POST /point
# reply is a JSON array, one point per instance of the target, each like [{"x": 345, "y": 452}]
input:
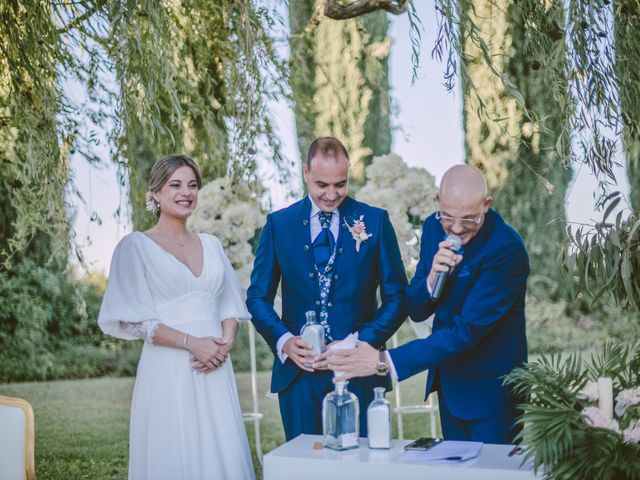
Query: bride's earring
[{"x": 152, "y": 204}]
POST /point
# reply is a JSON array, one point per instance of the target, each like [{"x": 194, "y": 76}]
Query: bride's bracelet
[{"x": 184, "y": 340}]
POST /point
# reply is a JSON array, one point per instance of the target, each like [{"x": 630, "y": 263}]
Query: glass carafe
[
  {"x": 313, "y": 333},
  {"x": 379, "y": 420},
  {"x": 340, "y": 418}
]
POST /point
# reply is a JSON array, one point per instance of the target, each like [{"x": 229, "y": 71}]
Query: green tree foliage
[
  {"x": 34, "y": 172},
  {"x": 190, "y": 80},
  {"x": 627, "y": 33},
  {"x": 191, "y": 76},
  {"x": 604, "y": 260},
  {"x": 340, "y": 81},
  {"x": 519, "y": 142}
]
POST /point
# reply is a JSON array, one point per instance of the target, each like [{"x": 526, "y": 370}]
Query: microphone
[{"x": 442, "y": 276}]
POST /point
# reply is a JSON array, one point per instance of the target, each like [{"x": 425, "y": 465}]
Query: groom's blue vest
[{"x": 285, "y": 255}]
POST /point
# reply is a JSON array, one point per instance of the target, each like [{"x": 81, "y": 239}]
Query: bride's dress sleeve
[
  {"x": 231, "y": 299},
  {"x": 128, "y": 310}
]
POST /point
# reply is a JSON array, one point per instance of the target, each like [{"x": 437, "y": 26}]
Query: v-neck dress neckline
[{"x": 197, "y": 277}]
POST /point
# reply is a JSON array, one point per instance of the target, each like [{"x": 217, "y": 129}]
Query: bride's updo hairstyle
[{"x": 161, "y": 173}]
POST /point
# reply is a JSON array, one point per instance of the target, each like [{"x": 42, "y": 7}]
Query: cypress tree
[
  {"x": 340, "y": 81},
  {"x": 519, "y": 141}
]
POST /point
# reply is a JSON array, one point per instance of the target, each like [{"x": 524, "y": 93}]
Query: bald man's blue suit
[
  {"x": 285, "y": 257},
  {"x": 478, "y": 331}
]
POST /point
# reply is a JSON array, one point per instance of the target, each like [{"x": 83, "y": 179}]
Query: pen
[{"x": 515, "y": 451}]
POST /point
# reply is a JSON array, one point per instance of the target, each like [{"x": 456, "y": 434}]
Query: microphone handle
[{"x": 437, "y": 288}]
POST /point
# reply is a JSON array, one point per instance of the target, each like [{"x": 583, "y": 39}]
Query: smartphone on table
[{"x": 423, "y": 443}]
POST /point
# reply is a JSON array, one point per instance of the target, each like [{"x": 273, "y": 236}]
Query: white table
[{"x": 297, "y": 459}]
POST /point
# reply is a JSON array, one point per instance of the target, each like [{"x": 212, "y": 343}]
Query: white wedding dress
[{"x": 184, "y": 425}]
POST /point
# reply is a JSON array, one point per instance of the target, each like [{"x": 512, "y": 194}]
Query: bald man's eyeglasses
[{"x": 465, "y": 221}]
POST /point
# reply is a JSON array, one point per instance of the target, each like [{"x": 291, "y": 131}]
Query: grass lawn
[{"x": 82, "y": 426}]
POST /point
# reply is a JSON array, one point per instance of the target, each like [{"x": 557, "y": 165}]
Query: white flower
[
  {"x": 594, "y": 417},
  {"x": 589, "y": 392},
  {"x": 407, "y": 193},
  {"x": 627, "y": 398},
  {"x": 631, "y": 434},
  {"x": 233, "y": 213}
]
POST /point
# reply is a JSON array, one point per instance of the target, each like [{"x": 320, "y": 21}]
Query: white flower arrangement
[
  {"x": 627, "y": 407},
  {"x": 233, "y": 213},
  {"x": 408, "y": 194}
]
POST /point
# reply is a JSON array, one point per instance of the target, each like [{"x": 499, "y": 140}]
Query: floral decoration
[
  {"x": 570, "y": 426},
  {"x": 358, "y": 231}
]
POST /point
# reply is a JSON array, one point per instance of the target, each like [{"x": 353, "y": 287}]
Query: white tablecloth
[{"x": 297, "y": 459}]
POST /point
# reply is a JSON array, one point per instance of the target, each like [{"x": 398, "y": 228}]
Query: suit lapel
[
  {"x": 347, "y": 212},
  {"x": 303, "y": 232}
]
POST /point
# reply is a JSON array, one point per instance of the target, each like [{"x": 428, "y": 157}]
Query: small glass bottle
[
  {"x": 379, "y": 420},
  {"x": 340, "y": 419},
  {"x": 313, "y": 333}
]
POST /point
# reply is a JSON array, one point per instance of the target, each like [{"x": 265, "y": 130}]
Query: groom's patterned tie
[{"x": 324, "y": 242}]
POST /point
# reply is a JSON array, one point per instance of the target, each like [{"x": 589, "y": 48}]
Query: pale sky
[{"x": 427, "y": 133}]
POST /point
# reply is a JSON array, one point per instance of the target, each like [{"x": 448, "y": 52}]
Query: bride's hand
[
  {"x": 208, "y": 353},
  {"x": 228, "y": 344}
]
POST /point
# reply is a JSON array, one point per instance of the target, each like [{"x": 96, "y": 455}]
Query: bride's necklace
[{"x": 181, "y": 243}]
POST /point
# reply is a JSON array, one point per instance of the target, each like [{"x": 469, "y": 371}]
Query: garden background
[{"x": 92, "y": 92}]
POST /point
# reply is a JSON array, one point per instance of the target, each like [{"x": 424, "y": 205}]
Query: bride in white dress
[{"x": 178, "y": 292}]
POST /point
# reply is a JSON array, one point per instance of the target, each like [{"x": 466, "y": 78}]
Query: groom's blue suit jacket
[
  {"x": 285, "y": 254},
  {"x": 479, "y": 325}
]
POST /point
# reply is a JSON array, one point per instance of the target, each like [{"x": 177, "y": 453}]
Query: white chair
[
  {"x": 16, "y": 439},
  {"x": 422, "y": 330},
  {"x": 255, "y": 415}
]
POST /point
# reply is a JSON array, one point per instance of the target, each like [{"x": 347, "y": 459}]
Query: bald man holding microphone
[{"x": 472, "y": 274}]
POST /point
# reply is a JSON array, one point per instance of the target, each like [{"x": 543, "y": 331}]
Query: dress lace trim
[{"x": 144, "y": 330}]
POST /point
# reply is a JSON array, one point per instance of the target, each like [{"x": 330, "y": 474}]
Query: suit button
[
  {"x": 311, "y": 274},
  {"x": 336, "y": 277},
  {"x": 318, "y": 302},
  {"x": 329, "y": 304},
  {"x": 341, "y": 250},
  {"x": 305, "y": 222},
  {"x": 306, "y": 248}
]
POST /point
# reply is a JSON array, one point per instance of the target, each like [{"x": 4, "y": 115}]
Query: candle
[{"x": 605, "y": 396}]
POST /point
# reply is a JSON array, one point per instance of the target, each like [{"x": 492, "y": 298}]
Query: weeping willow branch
[
  {"x": 34, "y": 170},
  {"x": 195, "y": 77},
  {"x": 582, "y": 52}
]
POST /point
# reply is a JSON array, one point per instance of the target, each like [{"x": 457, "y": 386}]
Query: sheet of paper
[
  {"x": 349, "y": 342},
  {"x": 448, "y": 451}
]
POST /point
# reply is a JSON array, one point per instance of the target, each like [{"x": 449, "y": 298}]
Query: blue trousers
[{"x": 500, "y": 429}]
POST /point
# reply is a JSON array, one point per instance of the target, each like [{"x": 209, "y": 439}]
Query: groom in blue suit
[
  {"x": 329, "y": 253},
  {"x": 478, "y": 331}
]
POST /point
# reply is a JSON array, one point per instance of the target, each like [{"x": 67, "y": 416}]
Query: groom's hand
[
  {"x": 353, "y": 362},
  {"x": 299, "y": 351},
  {"x": 321, "y": 362}
]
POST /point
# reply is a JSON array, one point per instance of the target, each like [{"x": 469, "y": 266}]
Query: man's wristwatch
[{"x": 382, "y": 367}]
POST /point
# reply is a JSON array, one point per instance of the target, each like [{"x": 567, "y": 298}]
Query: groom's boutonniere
[{"x": 358, "y": 231}]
